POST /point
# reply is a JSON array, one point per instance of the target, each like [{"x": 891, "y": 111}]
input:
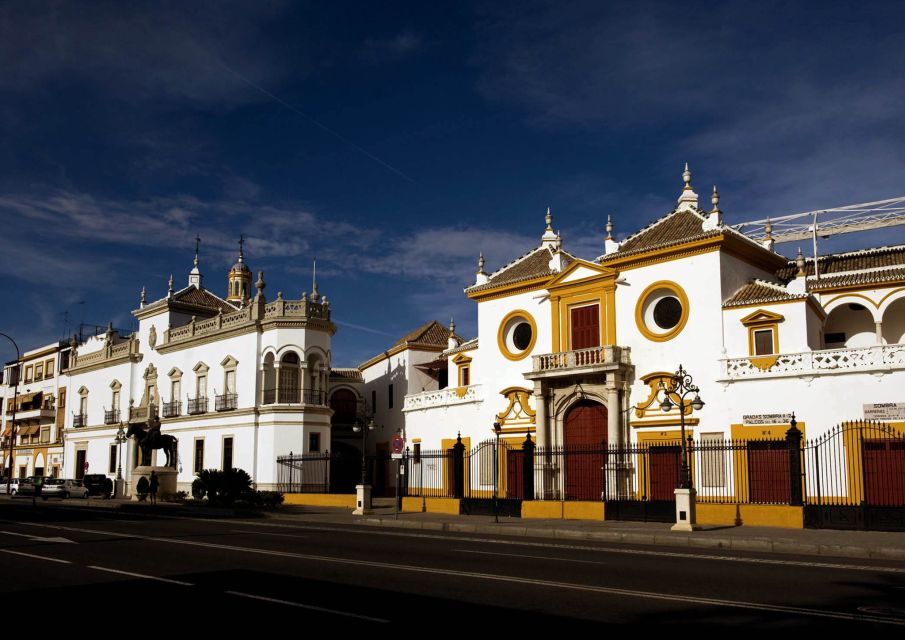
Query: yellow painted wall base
[
  {"x": 544, "y": 509},
  {"x": 320, "y": 499},
  {"x": 567, "y": 510},
  {"x": 751, "y": 515},
  {"x": 449, "y": 506}
]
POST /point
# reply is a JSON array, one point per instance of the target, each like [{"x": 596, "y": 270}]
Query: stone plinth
[{"x": 166, "y": 476}]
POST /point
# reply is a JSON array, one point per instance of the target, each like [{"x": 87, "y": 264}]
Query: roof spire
[
  {"x": 452, "y": 340},
  {"x": 609, "y": 227},
  {"x": 195, "y": 273},
  {"x": 550, "y": 236},
  {"x": 768, "y": 242},
  {"x": 315, "y": 296},
  {"x": 688, "y": 201},
  {"x": 799, "y": 260},
  {"x": 481, "y": 264},
  {"x": 242, "y": 247},
  {"x": 170, "y": 289},
  {"x": 142, "y": 300}
]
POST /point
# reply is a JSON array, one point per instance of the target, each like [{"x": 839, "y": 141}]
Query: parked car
[
  {"x": 29, "y": 486},
  {"x": 13, "y": 486},
  {"x": 62, "y": 488},
  {"x": 98, "y": 485}
]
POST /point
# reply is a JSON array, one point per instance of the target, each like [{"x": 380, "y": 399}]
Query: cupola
[{"x": 239, "y": 279}]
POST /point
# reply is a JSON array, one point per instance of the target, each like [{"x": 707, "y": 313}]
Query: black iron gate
[{"x": 855, "y": 478}]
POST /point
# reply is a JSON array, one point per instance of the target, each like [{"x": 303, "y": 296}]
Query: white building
[
  {"x": 40, "y": 409},
  {"x": 237, "y": 380},
  {"x": 573, "y": 351}
]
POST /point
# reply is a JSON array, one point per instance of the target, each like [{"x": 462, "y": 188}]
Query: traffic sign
[{"x": 397, "y": 443}]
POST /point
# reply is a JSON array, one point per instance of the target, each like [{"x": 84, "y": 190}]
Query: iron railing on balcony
[
  {"x": 226, "y": 402},
  {"x": 294, "y": 396},
  {"x": 198, "y": 405},
  {"x": 111, "y": 417},
  {"x": 172, "y": 409},
  {"x": 79, "y": 420}
]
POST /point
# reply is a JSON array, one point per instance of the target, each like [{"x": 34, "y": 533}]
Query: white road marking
[
  {"x": 38, "y": 538},
  {"x": 31, "y": 555},
  {"x": 306, "y": 606},
  {"x": 599, "y": 549},
  {"x": 629, "y": 593},
  {"x": 268, "y": 533},
  {"x": 141, "y": 575}
]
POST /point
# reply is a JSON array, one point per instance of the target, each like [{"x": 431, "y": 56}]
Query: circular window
[
  {"x": 662, "y": 311},
  {"x": 517, "y": 335}
]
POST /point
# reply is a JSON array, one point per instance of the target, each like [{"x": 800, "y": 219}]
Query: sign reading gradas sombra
[
  {"x": 757, "y": 419},
  {"x": 885, "y": 411}
]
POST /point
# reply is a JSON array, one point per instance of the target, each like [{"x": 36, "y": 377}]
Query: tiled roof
[
  {"x": 465, "y": 346},
  {"x": 203, "y": 298},
  {"x": 674, "y": 228},
  {"x": 761, "y": 292},
  {"x": 534, "y": 264},
  {"x": 878, "y": 276},
  {"x": 350, "y": 375},
  {"x": 881, "y": 264},
  {"x": 432, "y": 334}
]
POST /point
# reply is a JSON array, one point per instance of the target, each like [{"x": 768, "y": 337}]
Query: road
[{"x": 210, "y": 573}]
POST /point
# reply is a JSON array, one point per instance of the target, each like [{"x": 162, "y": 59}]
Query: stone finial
[
  {"x": 799, "y": 260},
  {"x": 74, "y": 342},
  {"x": 279, "y": 295},
  {"x": 304, "y": 296},
  {"x": 142, "y": 299},
  {"x": 715, "y": 199},
  {"x": 714, "y": 218},
  {"x": 609, "y": 227},
  {"x": 451, "y": 341},
  {"x": 452, "y": 325},
  {"x": 768, "y": 242},
  {"x": 315, "y": 296},
  {"x": 549, "y": 237},
  {"x": 689, "y": 199},
  {"x": 260, "y": 284},
  {"x": 325, "y": 302},
  {"x": 480, "y": 264},
  {"x": 170, "y": 288}
]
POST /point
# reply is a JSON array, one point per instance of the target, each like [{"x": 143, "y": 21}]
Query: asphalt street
[{"x": 214, "y": 572}]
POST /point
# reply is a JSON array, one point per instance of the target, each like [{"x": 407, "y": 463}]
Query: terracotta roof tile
[
  {"x": 350, "y": 375},
  {"x": 203, "y": 298},
  {"x": 534, "y": 264},
  {"x": 761, "y": 292},
  {"x": 673, "y": 228},
  {"x": 860, "y": 267},
  {"x": 431, "y": 334}
]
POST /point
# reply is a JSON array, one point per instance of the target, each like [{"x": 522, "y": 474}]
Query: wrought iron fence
[{"x": 304, "y": 473}]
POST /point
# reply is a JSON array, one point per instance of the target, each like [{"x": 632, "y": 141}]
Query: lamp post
[
  {"x": 12, "y": 432},
  {"x": 681, "y": 385},
  {"x": 363, "y": 490},
  {"x": 119, "y": 439},
  {"x": 496, "y": 472}
]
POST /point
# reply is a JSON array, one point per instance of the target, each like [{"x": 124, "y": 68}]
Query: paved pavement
[{"x": 817, "y": 542}]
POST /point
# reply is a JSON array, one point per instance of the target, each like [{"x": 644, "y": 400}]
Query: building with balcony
[
  {"x": 237, "y": 380},
  {"x": 39, "y": 404},
  {"x": 573, "y": 351}
]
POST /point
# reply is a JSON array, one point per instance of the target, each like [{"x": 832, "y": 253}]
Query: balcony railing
[
  {"x": 226, "y": 402},
  {"x": 294, "y": 396},
  {"x": 172, "y": 409},
  {"x": 79, "y": 420},
  {"x": 607, "y": 357},
  {"x": 197, "y": 405},
  {"x": 828, "y": 361},
  {"x": 111, "y": 417},
  {"x": 443, "y": 397}
]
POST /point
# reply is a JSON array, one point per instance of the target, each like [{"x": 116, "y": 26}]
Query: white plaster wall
[
  {"x": 793, "y": 331},
  {"x": 377, "y": 378},
  {"x": 894, "y": 322},
  {"x": 439, "y": 423},
  {"x": 735, "y": 273},
  {"x": 858, "y": 326}
]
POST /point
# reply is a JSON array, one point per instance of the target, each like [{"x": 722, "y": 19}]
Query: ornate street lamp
[
  {"x": 363, "y": 490},
  {"x": 681, "y": 385},
  {"x": 120, "y": 439}
]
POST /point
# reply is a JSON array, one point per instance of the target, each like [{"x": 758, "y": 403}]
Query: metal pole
[{"x": 496, "y": 472}]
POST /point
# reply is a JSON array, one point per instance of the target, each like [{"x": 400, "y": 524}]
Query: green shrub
[
  {"x": 199, "y": 489},
  {"x": 222, "y": 487},
  {"x": 143, "y": 487}
]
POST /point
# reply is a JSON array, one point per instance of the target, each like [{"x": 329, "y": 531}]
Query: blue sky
[{"x": 394, "y": 141}]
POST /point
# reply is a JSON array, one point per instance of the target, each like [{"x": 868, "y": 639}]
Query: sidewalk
[{"x": 874, "y": 545}]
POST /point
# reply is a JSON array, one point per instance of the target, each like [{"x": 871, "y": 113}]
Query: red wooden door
[
  {"x": 585, "y": 450},
  {"x": 665, "y": 463},
  {"x": 884, "y": 472},
  {"x": 586, "y": 327},
  {"x": 768, "y": 472}
]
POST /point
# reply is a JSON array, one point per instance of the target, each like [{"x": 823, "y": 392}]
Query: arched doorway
[{"x": 584, "y": 439}]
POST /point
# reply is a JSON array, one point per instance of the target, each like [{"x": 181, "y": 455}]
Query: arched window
[{"x": 290, "y": 389}]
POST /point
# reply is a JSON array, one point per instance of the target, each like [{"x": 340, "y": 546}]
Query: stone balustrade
[
  {"x": 443, "y": 397},
  {"x": 828, "y": 361},
  {"x": 595, "y": 357}
]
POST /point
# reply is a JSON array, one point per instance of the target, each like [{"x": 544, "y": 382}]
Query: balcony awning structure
[{"x": 433, "y": 366}]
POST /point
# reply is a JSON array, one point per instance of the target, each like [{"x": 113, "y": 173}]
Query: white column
[
  {"x": 879, "y": 332},
  {"x": 542, "y": 429},
  {"x": 614, "y": 415}
]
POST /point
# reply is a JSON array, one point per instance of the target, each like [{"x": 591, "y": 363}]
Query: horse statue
[{"x": 153, "y": 439}]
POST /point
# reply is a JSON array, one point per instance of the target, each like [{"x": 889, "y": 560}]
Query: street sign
[
  {"x": 397, "y": 443},
  {"x": 396, "y": 456}
]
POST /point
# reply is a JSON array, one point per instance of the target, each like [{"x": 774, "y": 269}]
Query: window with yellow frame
[
  {"x": 463, "y": 363},
  {"x": 763, "y": 333}
]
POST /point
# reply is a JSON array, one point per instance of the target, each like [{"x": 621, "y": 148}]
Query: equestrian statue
[{"x": 153, "y": 439}]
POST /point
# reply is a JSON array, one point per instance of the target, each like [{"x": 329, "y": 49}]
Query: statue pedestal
[{"x": 166, "y": 476}]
